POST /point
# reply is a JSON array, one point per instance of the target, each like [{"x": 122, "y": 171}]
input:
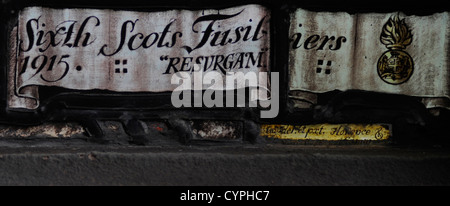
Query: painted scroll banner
[
  {"x": 130, "y": 51},
  {"x": 381, "y": 52}
]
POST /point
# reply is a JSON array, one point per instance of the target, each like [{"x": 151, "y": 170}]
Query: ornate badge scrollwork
[{"x": 395, "y": 66}]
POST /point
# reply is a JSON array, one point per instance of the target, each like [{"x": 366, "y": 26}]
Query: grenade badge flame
[{"x": 395, "y": 66}]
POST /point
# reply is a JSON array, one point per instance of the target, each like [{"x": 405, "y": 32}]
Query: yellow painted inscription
[{"x": 328, "y": 131}]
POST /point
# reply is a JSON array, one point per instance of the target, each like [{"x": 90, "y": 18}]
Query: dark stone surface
[{"x": 79, "y": 163}]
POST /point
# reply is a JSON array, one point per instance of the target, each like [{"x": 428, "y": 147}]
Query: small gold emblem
[{"x": 395, "y": 66}]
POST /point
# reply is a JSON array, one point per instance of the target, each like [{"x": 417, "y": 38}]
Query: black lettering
[
  {"x": 224, "y": 38},
  {"x": 247, "y": 32},
  {"x": 87, "y": 34},
  {"x": 123, "y": 34},
  {"x": 174, "y": 38},
  {"x": 258, "y": 28},
  {"x": 217, "y": 63},
  {"x": 145, "y": 42},
  {"x": 38, "y": 36},
  {"x": 238, "y": 35},
  {"x": 68, "y": 33},
  {"x": 311, "y": 41},
  {"x": 340, "y": 40},
  {"x": 131, "y": 41},
  {"x": 208, "y": 31},
  {"x": 173, "y": 61},
  {"x": 207, "y": 66},
  {"x": 253, "y": 60},
  {"x": 325, "y": 41},
  {"x": 52, "y": 42},
  {"x": 214, "y": 39},
  {"x": 30, "y": 34},
  {"x": 226, "y": 62},
  {"x": 186, "y": 62},
  {"x": 198, "y": 59},
  {"x": 316, "y": 40},
  {"x": 296, "y": 40},
  {"x": 240, "y": 60},
  {"x": 40, "y": 40},
  {"x": 163, "y": 36}
]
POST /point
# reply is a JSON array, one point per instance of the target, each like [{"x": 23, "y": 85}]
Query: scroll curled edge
[{"x": 19, "y": 97}]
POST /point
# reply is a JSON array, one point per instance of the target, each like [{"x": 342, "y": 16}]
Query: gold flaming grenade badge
[{"x": 395, "y": 66}]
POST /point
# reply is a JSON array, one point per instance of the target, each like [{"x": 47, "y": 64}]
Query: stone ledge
[{"x": 244, "y": 165}]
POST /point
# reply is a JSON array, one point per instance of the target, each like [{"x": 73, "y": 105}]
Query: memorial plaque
[{"x": 131, "y": 51}]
